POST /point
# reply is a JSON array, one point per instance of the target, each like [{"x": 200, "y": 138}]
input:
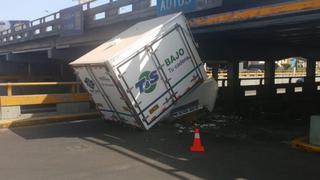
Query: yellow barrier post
[{"x": 9, "y": 89}]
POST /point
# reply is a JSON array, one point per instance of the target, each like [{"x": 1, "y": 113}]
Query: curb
[
  {"x": 301, "y": 144},
  {"x": 5, "y": 124}
]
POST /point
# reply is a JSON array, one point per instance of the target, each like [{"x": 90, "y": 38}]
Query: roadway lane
[{"x": 98, "y": 150}]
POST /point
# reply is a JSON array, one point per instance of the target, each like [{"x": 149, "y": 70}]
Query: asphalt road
[{"x": 98, "y": 150}]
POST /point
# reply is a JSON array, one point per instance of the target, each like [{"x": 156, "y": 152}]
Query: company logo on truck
[
  {"x": 176, "y": 60},
  {"x": 89, "y": 83},
  {"x": 147, "y": 81},
  {"x": 173, "y": 58}
]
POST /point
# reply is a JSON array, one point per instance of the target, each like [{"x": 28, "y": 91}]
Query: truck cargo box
[{"x": 139, "y": 76}]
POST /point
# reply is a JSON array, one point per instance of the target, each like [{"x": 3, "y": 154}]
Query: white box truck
[{"x": 141, "y": 75}]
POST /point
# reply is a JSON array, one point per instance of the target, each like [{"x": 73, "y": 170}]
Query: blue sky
[{"x": 31, "y": 9}]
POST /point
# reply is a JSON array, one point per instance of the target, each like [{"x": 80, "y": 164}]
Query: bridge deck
[{"x": 100, "y": 23}]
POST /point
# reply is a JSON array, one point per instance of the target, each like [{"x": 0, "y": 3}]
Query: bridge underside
[
  {"x": 265, "y": 39},
  {"x": 272, "y": 38}
]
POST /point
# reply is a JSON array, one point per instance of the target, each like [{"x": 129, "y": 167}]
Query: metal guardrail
[{"x": 42, "y": 99}]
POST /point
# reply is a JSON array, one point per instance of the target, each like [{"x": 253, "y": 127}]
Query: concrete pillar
[
  {"x": 269, "y": 78},
  {"x": 80, "y": 107},
  {"x": 215, "y": 70},
  {"x": 310, "y": 86},
  {"x": 10, "y": 112},
  {"x": 29, "y": 69},
  {"x": 315, "y": 130},
  {"x": 61, "y": 70},
  {"x": 233, "y": 79}
]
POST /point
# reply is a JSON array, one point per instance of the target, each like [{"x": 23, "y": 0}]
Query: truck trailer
[{"x": 146, "y": 73}]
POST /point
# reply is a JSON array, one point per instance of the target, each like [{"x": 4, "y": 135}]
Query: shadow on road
[{"x": 167, "y": 151}]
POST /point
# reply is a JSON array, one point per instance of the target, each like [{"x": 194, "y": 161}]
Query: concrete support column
[
  {"x": 309, "y": 87},
  {"x": 269, "y": 78},
  {"x": 215, "y": 70},
  {"x": 233, "y": 79},
  {"x": 315, "y": 130},
  {"x": 29, "y": 69},
  {"x": 61, "y": 70}
]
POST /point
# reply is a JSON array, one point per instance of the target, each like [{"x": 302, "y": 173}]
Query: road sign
[{"x": 170, "y": 6}]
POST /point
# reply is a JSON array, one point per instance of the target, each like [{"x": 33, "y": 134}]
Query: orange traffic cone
[{"x": 197, "y": 147}]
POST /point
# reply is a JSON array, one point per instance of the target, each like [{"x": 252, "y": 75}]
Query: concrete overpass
[
  {"x": 284, "y": 26},
  {"x": 227, "y": 32}
]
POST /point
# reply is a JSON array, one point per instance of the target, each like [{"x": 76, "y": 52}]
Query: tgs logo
[
  {"x": 89, "y": 83},
  {"x": 147, "y": 82}
]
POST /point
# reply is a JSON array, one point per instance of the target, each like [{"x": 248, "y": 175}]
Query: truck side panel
[
  {"x": 90, "y": 84},
  {"x": 109, "y": 88},
  {"x": 177, "y": 62}
]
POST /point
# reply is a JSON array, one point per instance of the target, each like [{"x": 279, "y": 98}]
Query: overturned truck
[{"x": 147, "y": 73}]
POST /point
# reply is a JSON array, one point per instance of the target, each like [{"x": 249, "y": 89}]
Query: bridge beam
[
  {"x": 27, "y": 57},
  {"x": 3, "y": 57},
  {"x": 68, "y": 54},
  {"x": 14, "y": 57}
]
